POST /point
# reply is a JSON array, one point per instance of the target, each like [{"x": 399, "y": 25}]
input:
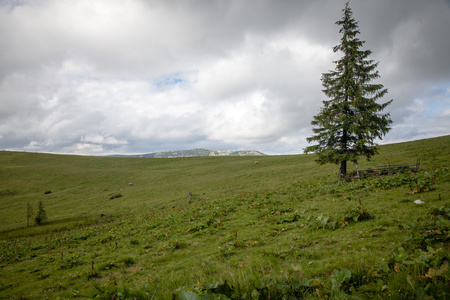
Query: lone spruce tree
[
  {"x": 350, "y": 121},
  {"x": 41, "y": 214}
]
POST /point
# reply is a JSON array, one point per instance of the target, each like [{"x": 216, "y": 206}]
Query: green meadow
[{"x": 225, "y": 227}]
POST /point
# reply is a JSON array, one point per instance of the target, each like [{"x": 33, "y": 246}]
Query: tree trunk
[{"x": 343, "y": 170}]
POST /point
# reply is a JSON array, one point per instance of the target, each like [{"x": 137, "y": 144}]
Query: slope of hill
[
  {"x": 195, "y": 153},
  {"x": 225, "y": 227},
  {"x": 81, "y": 186}
]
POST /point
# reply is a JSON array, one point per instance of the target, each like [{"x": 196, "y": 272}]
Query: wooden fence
[{"x": 387, "y": 169}]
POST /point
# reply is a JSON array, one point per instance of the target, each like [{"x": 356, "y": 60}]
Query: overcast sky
[{"x": 107, "y": 76}]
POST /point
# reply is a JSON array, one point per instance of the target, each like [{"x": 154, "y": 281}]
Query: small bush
[
  {"x": 134, "y": 242},
  {"x": 41, "y": 215},
  {"x": 442, "y": 211},
  {"x": 114, "y": 196},
  {"x": 357, "y": 214},
  {"x": 126, "y": 260},
  {"x": 106, "y": 266},
  {"x": 177, "y": 245},
  {"x": 8, "y": 193},
  {"x": 327, "y": 222}
]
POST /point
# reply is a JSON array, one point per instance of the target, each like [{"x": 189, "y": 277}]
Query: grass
[
  {"x": 281, "y": 228},
  {"x": 81, "y": 187}
]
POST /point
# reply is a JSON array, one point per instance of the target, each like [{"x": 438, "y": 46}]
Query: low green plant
[
  {"x": 125, "y": 260},
  {"x": 70, "y": 262},
  {"x": 339, "y": 283},
  {"x": 443, "y": 211},
  {"x": 178, "y": 245},
  {"x": 351, "y": 215},
  {"x": 327, "y": 222},
  {"x": 356, "y": 214}
]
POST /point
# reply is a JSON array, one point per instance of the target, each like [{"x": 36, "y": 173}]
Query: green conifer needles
[
  {"x": 351, "y": 120},
  {"x": 41, "y": 215}
]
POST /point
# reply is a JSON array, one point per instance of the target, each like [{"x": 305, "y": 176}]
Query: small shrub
[
  {"x": 177, "y": 245},
  {"x": 423, "y": 182},
  {"x": 41, "y": 215},
  {"x": 134, "y": 242},
  {"x": 107, "y": 266},
  {"x": 8, "y": 193},
  {"x": 357, "y": 214},
  {"x": 327, "y": 222},
  {"x": 126, "y": 260},
  {"x": 47, "y": 192},
  {"x": 196, "y": 228},
  {"x": 72, "y": 261},
  {"x": 441, "y": 211},
  {"x": 114, "y": 196},
  {"x": 336, "y": 284},
  {"x": 428, "y": 232}
]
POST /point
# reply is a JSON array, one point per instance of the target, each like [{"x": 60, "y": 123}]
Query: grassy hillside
[
  {"x": 282, "y": 227},
  {"x": 81, "y": 187}
]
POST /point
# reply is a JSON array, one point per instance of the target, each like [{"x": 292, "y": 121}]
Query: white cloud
[
  {"x": 98, "y": 139},
  {"x": 142, "y": 76},
  {"x": 85, "y": 149},
  {"x": 445, "y": 113},
  {"x": 243, "y": 120},
  {"x": 35, "y": 145}
]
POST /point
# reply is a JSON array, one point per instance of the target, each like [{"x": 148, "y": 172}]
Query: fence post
[{"x": 357, "y": 174}]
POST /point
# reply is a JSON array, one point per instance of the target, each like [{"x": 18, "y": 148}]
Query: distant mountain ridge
[{"x": 194, "y": 153}]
